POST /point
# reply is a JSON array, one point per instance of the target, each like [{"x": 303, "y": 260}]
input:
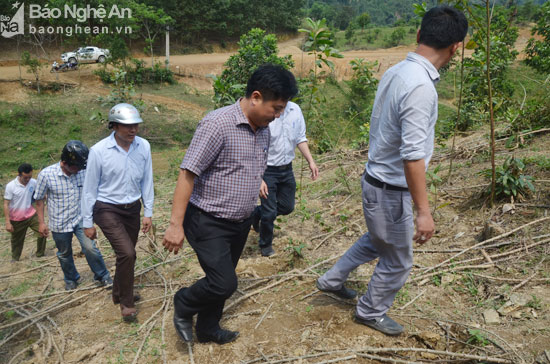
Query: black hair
[
  {"x": 273, "y": 82},
  {"x": 24, "y": 168},
  {"x": 443, "y": 26}
]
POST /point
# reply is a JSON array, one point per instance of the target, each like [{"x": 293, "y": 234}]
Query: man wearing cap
[
  {"x": 61, "y": 184},
  {"x": 119, "y": 175},
  {"x": 19, "y": 212},
  {"x": 401, "y": 145}
]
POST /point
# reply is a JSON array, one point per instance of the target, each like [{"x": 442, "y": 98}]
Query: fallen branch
[
  {"x": 436, "y": 352},
  {"x": 412, "y": 301},
  {"x": 289, "y": 277},
  {"x": 338, "y": 360},
  {"x": 26, "y": 271},
  {"x": 335, "y": 232},
  {"x": 263, "y": 316},
  {"x": 524, "y": 282},
  {"x": 143, "y": 342},
  {"x": 485, "y": 242}
]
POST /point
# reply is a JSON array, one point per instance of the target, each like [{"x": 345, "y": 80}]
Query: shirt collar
[
  {"x": 428, "y": 66},
  {"x": 288, "y": 109},
  {"x": 17, "y": 182},
  {"x": 59, "y": 171},
  {"x": 240, "y": 118}
]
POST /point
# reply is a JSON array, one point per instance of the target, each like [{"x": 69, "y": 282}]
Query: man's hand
[
  {"x": 9, "y": 227},
  {"x": 425, "y": 227},
  {"x": 173, "y": 238},
  {"x": 146, "y": 224},
  {"x": 43, "y": 229},
  {"x": 314, "y": 170},
  {"x": 91, "y": 233},
  {"x": 264, "y": 191}
]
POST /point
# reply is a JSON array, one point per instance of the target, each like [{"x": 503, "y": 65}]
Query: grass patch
[
  {"x": 373, "y": 38},
  {"x": 180, "y": 91}
]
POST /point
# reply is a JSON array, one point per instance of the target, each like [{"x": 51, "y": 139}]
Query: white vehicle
[{"x": 86, "y": 55}]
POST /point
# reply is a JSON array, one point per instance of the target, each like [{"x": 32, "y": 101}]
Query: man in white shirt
[
  {"x": 278, "y": 188},
  {"x": 19, "y": 212}
]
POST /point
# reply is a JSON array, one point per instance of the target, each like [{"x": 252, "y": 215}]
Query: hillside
[{"x": 479, "y": 291}]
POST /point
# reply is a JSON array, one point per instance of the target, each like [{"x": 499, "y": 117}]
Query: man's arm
[
  {"x": 147, "y": 194},
  {"x": 89, "y": 194},
  {"x": 39, "y": 196},
  {"x": 174, "y": 236},
  {"x": 42, "y": 227},
  {"x": 415, "y": 173},
  {"x": 304, "y": 149},
  {"x": 9, "y": 226}
]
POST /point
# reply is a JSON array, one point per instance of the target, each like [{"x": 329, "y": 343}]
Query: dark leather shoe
[
  {"x": 343, "y": 292},
  {"x": 184, "y": 327},
  {"x": 383, "y": 324},
  {"x": 219, "y": 337},
  {"x": 267, "y": 251}
]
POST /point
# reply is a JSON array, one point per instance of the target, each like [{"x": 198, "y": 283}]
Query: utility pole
[{"x": 167, "y": 61}]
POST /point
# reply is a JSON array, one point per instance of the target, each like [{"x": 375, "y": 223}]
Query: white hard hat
[{"x": 124, "y": 114}]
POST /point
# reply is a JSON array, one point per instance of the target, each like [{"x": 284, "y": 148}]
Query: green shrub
[
  {"x": 538, "y": 51},
  {"x": 510, "y": 180},
  {"x": 255, "y": 48}
]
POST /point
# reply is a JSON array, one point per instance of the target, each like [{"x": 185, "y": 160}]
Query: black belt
[
  {"x": 127, "y": 206},
  {"x": 201, "y": 211},
  {"x": 281, "y": 168},
  {"x": 376, "y": 183}
]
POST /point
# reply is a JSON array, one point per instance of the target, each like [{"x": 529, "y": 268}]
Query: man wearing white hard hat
[{"x": 119, "y": 178}]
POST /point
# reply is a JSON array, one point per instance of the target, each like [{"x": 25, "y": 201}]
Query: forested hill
[
  {"x": 200, "y": 23},
  {"x": 340, "y": 13}
]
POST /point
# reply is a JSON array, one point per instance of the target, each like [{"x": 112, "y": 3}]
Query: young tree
[
  {"x": 255, "y": 49},
  {"x": 363, "y": 20},
  {"x": 538, "y": 51},
  {"x": 33, "y": 66},
  {"x": 153, "y": 21}
]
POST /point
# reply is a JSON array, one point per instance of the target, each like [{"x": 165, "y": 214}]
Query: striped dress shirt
[{"x": 64, "y": 193}]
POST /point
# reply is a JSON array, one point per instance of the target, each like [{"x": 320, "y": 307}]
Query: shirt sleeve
[
  {"x": 90, "y": 188},
  {"x": 8, "y": 193},
  {"x": 147, "y": 190},
  {"x": 41, "y": 186},
  {"x": 415, "y": 110},
  {"x": 301, "y": 137},
  {"x": 205, "y": 147}
]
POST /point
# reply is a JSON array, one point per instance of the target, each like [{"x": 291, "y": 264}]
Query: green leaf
[{"x": 471, "y": 44}]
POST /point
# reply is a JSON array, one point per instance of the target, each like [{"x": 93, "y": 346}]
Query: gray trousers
[{"x": 390, "y": 225}]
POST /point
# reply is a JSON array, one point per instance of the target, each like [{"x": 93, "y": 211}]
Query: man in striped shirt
[
  {"x": 62, "y": 184},
  {"x": 215, "y": 195}
]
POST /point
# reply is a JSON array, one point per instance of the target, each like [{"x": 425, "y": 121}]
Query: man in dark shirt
[{"x": 216, "y": 193}]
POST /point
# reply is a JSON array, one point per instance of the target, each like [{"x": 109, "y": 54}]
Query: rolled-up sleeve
[
  {"x": 41, "y": 187},
  {"x": 415, "y": 112},
  {"x": 204, "y": 148},
  {"x": 90, "y": 188},
  {"x": 301, "y": 137},
  {"x": 147, "y": 190}
]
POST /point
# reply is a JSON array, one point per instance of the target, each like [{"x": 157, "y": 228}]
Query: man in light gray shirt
[{"x": 401, "y": 145}]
